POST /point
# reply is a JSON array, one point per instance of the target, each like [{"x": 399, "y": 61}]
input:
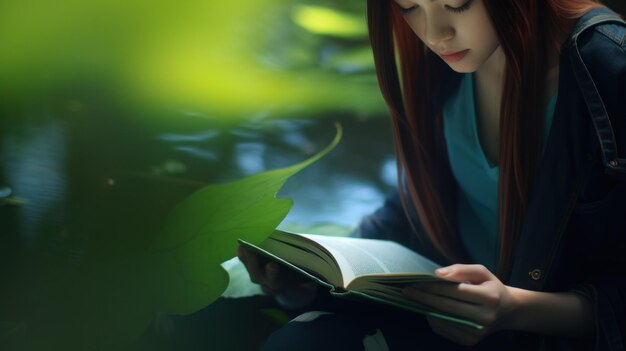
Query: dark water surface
[{"x": 53, "y": 170}]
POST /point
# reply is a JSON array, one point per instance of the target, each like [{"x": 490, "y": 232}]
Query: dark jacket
[{"x": 574, "y": 234}]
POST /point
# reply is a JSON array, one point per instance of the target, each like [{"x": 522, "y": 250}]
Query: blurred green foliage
[
  {"x": 225, "y": 59},
  {"x": 107, "y": 298}
]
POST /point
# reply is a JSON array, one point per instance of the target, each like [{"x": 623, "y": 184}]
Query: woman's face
[{"x": 459, "y": 31}]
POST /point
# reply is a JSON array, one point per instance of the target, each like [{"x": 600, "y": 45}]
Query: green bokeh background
[{"x": 229, "y": 60}]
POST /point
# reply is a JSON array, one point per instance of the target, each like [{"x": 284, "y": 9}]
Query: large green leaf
[
  {"x": 106, "y": 299},
  {"x": 209, "y": 221}
]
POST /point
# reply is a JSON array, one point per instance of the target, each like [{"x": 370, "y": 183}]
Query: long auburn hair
[{"x": 416, "y": 121}]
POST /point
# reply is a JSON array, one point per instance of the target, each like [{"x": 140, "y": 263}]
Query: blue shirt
[{"x": 476, "y": 175}]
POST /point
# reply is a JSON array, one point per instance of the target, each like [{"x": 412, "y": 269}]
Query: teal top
[{"x": 476, "y": 176}]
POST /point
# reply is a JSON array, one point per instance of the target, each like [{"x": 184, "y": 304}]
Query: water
[{"x": 52, "y": 168}]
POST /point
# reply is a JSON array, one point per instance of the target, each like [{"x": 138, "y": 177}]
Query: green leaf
[{"x": 201, "y": 232}]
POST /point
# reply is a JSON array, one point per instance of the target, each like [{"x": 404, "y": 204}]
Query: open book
[{"x": 369, "y": 269}]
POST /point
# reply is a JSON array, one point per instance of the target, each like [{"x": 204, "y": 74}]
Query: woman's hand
[
  {"x": 275, "y": 279},
  {"x": 485, "y": 300}
]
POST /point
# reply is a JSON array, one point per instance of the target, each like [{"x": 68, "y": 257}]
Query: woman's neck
[
  {"x": 488, "y": 86},
  {"x": 493, "y": 69},
  {"x": 553, "y": 57}
]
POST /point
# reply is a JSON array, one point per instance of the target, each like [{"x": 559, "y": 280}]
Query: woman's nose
[{"x": 437, "y": 30}]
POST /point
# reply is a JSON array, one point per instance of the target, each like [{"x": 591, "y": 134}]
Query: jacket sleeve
[
  {"x": 611, "y": 310},
  {"x": 607, "y": 299},
  {"x": 607, "y": 291}
]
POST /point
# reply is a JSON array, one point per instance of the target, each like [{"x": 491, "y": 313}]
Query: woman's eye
[
  {"x": 461, "y": 8},
  {"x": 406, "y": 10}
]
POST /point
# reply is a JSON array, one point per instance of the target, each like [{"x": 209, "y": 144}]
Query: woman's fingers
[
  {"x": 256, "y": 268},
  {"x": 444, "y": 304},
  {"x": 473, "y": 273},
  {"x": 462, "y": 291},
  {"x": 269, "y": 274},
  {"x": 273, "y": 276},
  {"x": 241, "y": 254},
  {"x": 279, "y": 277}
]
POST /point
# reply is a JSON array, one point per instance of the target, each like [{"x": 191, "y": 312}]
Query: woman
[{"x": 510, "y": 132}]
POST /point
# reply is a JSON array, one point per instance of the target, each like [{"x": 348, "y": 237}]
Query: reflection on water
[
  {"x": 198, "y": 137},
  {"x": 5, "y": 192},
  {"x": 249, "y": 157},
  {"x": 51, "y": 163},
  {"x": 34, "y": 169},
  {"x": 350, "y": 182}
]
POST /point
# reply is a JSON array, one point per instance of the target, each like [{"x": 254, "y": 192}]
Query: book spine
[{"x": 351, "y": 294}]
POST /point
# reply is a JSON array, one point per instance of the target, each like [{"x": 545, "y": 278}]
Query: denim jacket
[{"x": 574, "y": 234}]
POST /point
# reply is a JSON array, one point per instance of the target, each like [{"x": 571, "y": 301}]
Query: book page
[
  {"x": 370, "y": 269},
  {"x": 357, "y": 256}
]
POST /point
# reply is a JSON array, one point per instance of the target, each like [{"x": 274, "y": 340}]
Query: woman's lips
[{"x": 454, "y": 57}]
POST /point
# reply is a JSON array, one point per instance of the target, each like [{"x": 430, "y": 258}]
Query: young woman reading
[{"x": 510, "y": 128}]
